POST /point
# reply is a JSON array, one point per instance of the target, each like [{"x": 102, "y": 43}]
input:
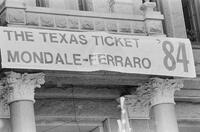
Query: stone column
[
  {"x": 19, "y": 95},
  {"x": 159, "y": 94},
  {"x": 174, "y": 18}
]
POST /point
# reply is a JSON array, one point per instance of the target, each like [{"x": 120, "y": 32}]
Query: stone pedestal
[{"x": 153, "y": 19}]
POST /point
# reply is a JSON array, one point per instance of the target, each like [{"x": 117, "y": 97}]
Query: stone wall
[{"x": 99, "y": 102}]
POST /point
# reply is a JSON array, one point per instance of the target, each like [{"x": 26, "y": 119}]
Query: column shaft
[
  {"x": 165, "y": 118},
  {"x": 22, "y": 116},
  {"x": 174, "y": 18}
]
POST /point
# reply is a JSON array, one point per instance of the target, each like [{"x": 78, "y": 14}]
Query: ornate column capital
[
  {"x": 158, "y": 91},
  {"x": 19, "y": 86},
  {"x": 136, "y": 108}
]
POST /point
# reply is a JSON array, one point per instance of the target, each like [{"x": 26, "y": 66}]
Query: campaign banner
[{"x": 25, "y": 48}]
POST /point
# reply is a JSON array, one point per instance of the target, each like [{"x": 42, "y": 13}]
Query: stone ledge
[
  {"x": 14, "y": 4},
  {"x": 66, "y": 120},
  {"x": 92, "y": 108}
]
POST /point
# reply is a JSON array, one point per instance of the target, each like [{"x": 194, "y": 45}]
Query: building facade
[{"x": 72, "y": 101}]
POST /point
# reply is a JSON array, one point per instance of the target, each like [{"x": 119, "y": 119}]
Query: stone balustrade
[{"x": 20, "y": 14}]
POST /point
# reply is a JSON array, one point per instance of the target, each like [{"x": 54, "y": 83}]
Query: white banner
[{"x": 24, "y": 48}]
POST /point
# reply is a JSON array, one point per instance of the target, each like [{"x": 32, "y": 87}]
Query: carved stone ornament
[
  {"x": 158, "y": 91},
  {"x": 135, "y": 108},
  {"x": 18, "y": 86},
  {"x": 148, "y": 6}
]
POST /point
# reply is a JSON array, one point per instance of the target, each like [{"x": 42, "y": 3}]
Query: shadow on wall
[{"x": 5, "y": 125}]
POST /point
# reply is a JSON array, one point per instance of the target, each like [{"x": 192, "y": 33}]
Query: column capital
[
  {"x": 159, "y": 91},
  {"x": 19, "y": 86},
  {"x": 136, "y": 108}
]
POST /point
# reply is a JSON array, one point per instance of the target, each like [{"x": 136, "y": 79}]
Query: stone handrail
[{"x": 19, "y": 14}]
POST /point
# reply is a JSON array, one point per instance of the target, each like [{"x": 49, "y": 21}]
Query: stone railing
[{"x": 18, "y": 14}]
